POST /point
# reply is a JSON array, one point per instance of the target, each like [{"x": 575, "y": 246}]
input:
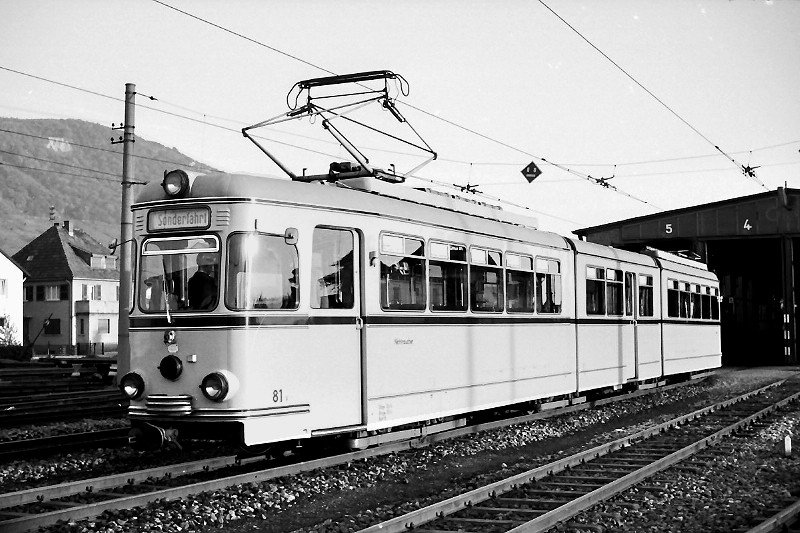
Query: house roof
[{"x": 58, "y": 255}]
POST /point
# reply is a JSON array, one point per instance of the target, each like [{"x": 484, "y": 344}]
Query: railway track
[
  {"x": 539, "y": 499},
  {"x": 33, "y": 408},
  {"x": 14, "y": 449},
  {"x": 32, "y": 508}
]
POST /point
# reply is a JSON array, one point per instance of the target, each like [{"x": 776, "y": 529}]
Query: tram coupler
[{"x": 149, "y": 437}]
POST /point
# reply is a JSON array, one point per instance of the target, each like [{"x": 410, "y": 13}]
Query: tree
[{"x": 8, "y": 332}]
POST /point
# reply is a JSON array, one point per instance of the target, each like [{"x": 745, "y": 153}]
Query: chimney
[{"x": 67, "y": 227}]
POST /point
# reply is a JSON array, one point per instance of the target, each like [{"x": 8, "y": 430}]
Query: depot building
[{"x": 750, "y": 243}]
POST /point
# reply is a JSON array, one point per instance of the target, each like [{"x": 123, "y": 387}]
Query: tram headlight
[
  {"x": 176, "y": 183},
  {"x": 171, "y": 367},
  {"x": 132, "y": 385},
  {"x": 215, "y": 386}
]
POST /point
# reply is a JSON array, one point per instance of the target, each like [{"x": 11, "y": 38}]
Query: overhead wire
[
  {"x": 41, "y": 159},
  {"x": 99, "y": 178},
  {"x": 588, "y": 177},
  {"x": 659, "y": 100}
]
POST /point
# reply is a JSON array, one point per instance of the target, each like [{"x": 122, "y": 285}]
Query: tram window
[
  {"x": 486, "y": 280},
  {"x": 715, "y": 304},
  {"x": 695, "y": 305},
  {"x": 684, "y": 300},
  {"x": 629, "y": 292},
  {"x": 595, "y": 291},
  {"x": 520, "y": 283},
  {"x": 706, "y": 303},
  {"x": 261, "y": 272},
  {"x": 673, "y": 299},
  {"x": 179, "y": 274},
  {"x": 548, "y": 285},
  {"x": 402, "y": 273},
  {"x": 447, "y": 277},
  {"x": 645, "y": 295},
  {"x": 614, "y": 292},
  {"x": 332, "y": 269}
]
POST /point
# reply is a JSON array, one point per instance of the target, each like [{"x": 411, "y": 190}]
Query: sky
[{"x": 493, "y": 86}]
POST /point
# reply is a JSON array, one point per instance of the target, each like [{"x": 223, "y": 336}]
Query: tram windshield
[{"x": 179, "y": 274}]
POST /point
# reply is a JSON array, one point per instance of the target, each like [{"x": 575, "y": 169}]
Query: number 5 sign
[{"x": 668, "y": 228}]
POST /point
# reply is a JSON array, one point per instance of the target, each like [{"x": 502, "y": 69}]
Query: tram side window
[
  {"x": 402, "y": 273},
  {"x": 548, "y": 285},
  {"x": 332, "y": 269},
  {"x": 448, "y": 277},
  {"x": 706, "y": 303},
  {"x": 520, "y": 283},
  {"x": 695, "y": 304},
  {"x": 715, "y": 304},
  {"x": 614, "y": 292},
  {"x": 595, "y": 291},
  {"x": 645, "y": 295},
  {"x": 685, "y": 300},
  {"x": 486, "y": 280},
  {"x": 261, "y": 273},
  {"x": 673, "y": 299},
  {"x": 629, "y": 292}
]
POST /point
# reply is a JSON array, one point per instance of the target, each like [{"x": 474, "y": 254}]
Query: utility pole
[{"x": 126, "y": 233}]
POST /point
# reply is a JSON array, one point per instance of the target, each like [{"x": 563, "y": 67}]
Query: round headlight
[
  {"x": 171, "y": 367},
  {"x": 214, "y": 387},
  {"x": 176, "y": 183},
  {"x": 132, "y": 385}
]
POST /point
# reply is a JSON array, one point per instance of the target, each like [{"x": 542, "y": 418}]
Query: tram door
[
  {"x": 335, "y": 324},
  {"x": 632, "y": 314}
]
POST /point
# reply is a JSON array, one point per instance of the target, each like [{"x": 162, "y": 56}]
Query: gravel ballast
[{"x": 362, "y": 493}]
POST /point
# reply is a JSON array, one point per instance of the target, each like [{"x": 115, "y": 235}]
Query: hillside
[{"x": 69, "y": 164}]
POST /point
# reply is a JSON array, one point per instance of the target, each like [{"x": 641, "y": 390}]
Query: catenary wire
[
  {"x": 486, "y": 137},
  {"x": 99, "y": 178},
  {"x": 58, "y": 163},
  {"x": 648, "y": 91}
]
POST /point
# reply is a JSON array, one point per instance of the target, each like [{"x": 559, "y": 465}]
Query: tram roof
[{"x": 363, "y": 195}]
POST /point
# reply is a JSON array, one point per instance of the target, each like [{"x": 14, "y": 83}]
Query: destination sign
[{"x": 170, "y": 219}]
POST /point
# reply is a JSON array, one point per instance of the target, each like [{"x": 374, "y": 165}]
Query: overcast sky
[{"x": 511, "y": 71}]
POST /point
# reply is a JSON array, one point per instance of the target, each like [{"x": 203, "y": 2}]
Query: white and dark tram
[{"x": 270, "y": 311}]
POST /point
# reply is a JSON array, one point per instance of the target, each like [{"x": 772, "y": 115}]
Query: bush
[{"x": 15, "y": 352}]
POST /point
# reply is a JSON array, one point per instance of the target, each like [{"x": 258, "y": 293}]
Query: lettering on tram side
[
  {"x": 384, "y": 411},
  {"x": 404, "y": 341},
  {"x": 277, "y": 395}
]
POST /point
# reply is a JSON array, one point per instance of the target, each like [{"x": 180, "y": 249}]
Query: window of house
[
  {"x": 97, "y": 292},
  {"x": 52, "y": 293},
  {"x": 63, "y": 292},
  {"x": 402, "y": 272},
  {"x": 332, "y": 283},
  {"x": 103, "y": 325},
  {"x": 82, "y": 327},
  {"x": 447, "y": 276},
  {"x": 52, "y": 326},
  {"x": 29, "y": 293},
  {"x": 548, "y": 285},
  {"x": 595, "y": 291},
  {"x": 486, "y": 280},
  {"x": 520, "y": 283},
  {"x": 84, "y": 291},
  {"x": 116, "y": 293},
  {"x": 3, "y": 289},
  {"x": 645, "y": 295},
  {"x": 40, "y": 293}
]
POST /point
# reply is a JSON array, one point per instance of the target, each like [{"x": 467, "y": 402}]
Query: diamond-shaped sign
[{"x": 531, "y": 172}]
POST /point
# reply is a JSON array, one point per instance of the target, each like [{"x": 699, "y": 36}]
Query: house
[
  {"x": 11, "y": 279},
  {"x": 71, "y": 294}
]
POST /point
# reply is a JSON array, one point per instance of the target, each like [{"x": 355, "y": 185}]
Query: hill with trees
[{"x": 71, "y": 165}]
